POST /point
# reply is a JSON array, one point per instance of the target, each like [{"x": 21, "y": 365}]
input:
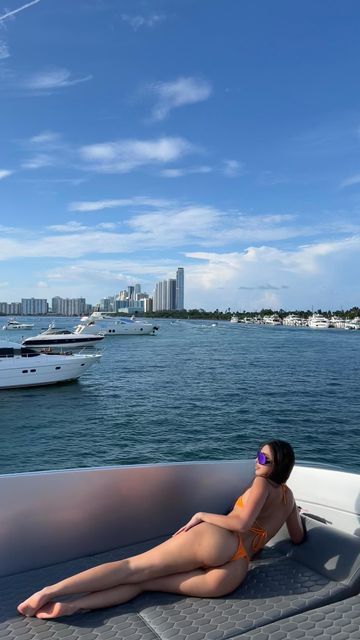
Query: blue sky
[{"x": 218, "y": 135}]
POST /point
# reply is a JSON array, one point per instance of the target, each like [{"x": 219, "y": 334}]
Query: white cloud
[
  {"x": 290, "y": 272},
  {"x": 4, "y": 50},
  {"x": 232, "y": 168},
  {"x": 4, "y": 173},
  {"x": 139, "y": 21},
  {"x": 123, "y": 156},
  {"x": 53, "y": 79},
  {"x": 39, "y": 161},
  {"x": 179, "y": 173},
  {"x": 69, "y": 227},
  {"x": 45, "y": 137},
  {"x": 349, "y": 182},
  {"x": 138, "y": 201},
  {"x": 13, "y": 12},
  {"x": 99, "y": 205},
  {"x": 182, "y": 91}
]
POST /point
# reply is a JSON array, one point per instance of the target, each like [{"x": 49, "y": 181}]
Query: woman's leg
[
  {"x": 202, "y": 546},
  {"x": 200, "y": 583}
]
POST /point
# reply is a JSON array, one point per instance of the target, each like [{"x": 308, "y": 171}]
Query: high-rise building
[
  {"x": 68, "y": 306},
  {"x": 169, "y": 294},
  {"x": 180, "y": 289},
  {"x": 34, "y": 306}
]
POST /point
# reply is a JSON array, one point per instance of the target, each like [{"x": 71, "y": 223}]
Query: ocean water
[{"x": 194, "y": 391}]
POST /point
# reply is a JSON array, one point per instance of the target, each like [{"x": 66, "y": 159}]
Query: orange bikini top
[{"x": 260, "y": 534}]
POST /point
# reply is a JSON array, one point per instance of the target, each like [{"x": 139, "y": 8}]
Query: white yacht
[
  {"x": 56, "y": 523},
  {"x": 274, "y": 319},
  {"x": 234, "y": 319},
  {"x": 99, "y": 322},
  {"x": 24, "y": 367},
  {"x": 61, "y": 338},
  {"x": 293, "y": 320},
  {"x": 317, "y": 321},
  {"x": 352, "y": 325},
  {"x": 15, "y": 325},
  {"x": 337, "y": 323}
]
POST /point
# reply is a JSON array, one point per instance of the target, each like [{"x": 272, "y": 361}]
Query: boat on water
[
  {"x": 24, "y": 367},
  {"x": 108, "y": 325},
  {"x": 293, "y": 320},
  {"x": 273, "y": 319},
  {"x": 352, "y": 325},
  {"x": 54, "y": 524},
  {"x": 317, "y": 321},
  {"x": 15, "y": 325},
  {"x": 56, "y": 338},
  {"x": 234, "y": 319}
]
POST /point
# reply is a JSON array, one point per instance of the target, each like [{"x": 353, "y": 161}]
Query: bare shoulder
[{"x": 260, "y": 485}]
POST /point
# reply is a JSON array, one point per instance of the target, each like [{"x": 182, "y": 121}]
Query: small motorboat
[
  {"x": 24, "y": 367},
  {"x": 61, "y": 338},
  {"x": 15, "y": 325}
]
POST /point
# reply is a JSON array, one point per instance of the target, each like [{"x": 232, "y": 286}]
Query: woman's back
[{"x": 275, "y": 511}]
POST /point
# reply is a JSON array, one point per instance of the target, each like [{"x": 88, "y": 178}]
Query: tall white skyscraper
[
  {"x": 169, "y": 294},
  {"x": 180, "y": 289}
]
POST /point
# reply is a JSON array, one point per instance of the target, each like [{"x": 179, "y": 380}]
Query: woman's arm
[
  {"x": 295, "y": 526},
  {"x": 240, "y": 519}
]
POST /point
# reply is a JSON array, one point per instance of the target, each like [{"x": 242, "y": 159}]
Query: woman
[{"x": 207, "y": 557}]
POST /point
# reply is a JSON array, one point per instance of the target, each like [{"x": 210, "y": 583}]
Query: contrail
[{"x": 12, "y": 13}]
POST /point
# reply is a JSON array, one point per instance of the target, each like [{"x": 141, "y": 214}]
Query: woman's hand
[{"x": 196, "y": 519}]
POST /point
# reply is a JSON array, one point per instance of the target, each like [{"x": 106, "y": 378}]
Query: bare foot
[
  {"x": 57, "y": 609},
  {"x": 30, "y": 606}
]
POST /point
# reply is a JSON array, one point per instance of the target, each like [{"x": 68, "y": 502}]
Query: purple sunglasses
[{"x": 262, "y": 459}]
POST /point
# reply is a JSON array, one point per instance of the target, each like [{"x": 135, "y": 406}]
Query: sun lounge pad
[
  {"x": 276, "y": 587},
  {"x": 340, "y": 621}
]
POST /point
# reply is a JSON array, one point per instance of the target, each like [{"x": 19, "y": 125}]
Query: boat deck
[{"x": 291, "y": 592}]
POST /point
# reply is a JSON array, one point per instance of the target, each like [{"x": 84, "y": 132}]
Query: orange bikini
[{"x": 260, "y": 534}]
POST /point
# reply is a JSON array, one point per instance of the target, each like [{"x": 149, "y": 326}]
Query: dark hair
[{"x": 284, "y": 460}]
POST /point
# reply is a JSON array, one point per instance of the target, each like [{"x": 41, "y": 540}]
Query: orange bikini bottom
[{"x": 257, "y": 543}]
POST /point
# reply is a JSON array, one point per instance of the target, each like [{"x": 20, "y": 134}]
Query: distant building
[
  {"x": 34, "y": 306},
  {"x": 180, "y": 289},
  {"x": 68, "y": 306},
  {"x": 14, "y": 308},
  {"x": 169, "y": 294},
  {"x": 148, "y": 305}
]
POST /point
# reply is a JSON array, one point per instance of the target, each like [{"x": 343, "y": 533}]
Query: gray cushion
[
  {"x": 339, "y": 621},
  {"x": 326, "y": 550},
  {"x": 276, "y": 587}
]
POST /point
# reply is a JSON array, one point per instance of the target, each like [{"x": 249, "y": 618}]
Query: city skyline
[
  {"x": 126, "y": 153},
  {"x": 167, "y": 295}
]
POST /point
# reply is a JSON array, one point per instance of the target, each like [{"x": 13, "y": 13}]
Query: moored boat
[
  {"x": 107, "y": 325},
  {"x": 15, "y": 325},
  {"x": 352, "y": 325},
  {"x": 318, "y": 321},
  {"x": 24, "y": 367},
  {"x": 54, "y": 338}
]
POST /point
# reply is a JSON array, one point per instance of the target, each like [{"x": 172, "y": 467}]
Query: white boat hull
[
  {"x": 115, "y": 327},
  {"x": 58, "y": 345},
  {"x": 20, "y": 371}
]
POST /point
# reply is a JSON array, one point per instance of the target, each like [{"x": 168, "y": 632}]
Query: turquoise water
[{"x": 193, "y": 392}]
